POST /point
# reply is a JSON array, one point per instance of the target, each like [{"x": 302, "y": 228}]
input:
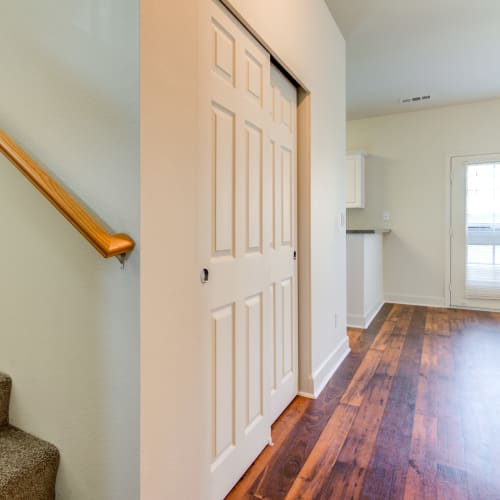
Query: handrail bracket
[{"x": 122, "y": 258}]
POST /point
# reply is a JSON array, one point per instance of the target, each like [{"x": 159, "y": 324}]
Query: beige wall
[
  {"x": 306, "y": 39},
  {"x": 405, "y": 174},
  {"x": 69, "y": 319},
  {"x": 171, "y": 432}
]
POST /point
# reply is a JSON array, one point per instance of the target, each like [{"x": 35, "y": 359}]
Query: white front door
[
  {"x": 247, "y": 241},
  {"x": 475, "y": 232}
]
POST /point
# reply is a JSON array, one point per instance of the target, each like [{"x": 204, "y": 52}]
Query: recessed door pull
[
  {"x": 204, "y": 275},
  {"x": 295, "y": 255}
]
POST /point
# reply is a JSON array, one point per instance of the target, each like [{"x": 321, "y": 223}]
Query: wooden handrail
[{"x": 108, "y": 245}]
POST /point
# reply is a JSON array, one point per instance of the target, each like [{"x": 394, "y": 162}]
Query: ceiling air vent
[{"x": 419, "y": 98}]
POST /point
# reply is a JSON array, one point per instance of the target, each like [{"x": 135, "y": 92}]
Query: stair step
[
  {"x": 5, "y": 386},
  {"x": 28, "y": 466}
]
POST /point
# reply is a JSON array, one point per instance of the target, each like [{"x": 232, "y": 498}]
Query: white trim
[
  {"x": 467, "y": 159},
  {"x": 307, "y": 395},
  {"x": 447, "y": 226},
  {"x": 471, "y": 308},
  {"x": 356, "y": 321},
  {"x": 359, "y": 321},
  {"x": 304, "y": 273},
  {"x": 415, "y": 300},
  {"x": 325, "y": 372},
  {"x": 371, "y": 315}
]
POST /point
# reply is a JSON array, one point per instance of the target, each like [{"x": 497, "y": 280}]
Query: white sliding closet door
[
  {"x": 247, "y": 242},
  {"x": 284, "y": 362}
]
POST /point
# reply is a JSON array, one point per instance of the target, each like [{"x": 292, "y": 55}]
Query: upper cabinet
[{"x": 355, "y": 179}]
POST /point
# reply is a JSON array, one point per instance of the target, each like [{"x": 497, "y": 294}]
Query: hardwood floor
[{"x": 412, "y": 413}]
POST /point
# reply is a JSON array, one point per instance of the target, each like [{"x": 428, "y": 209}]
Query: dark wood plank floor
[{"x": 412, "y": 413}]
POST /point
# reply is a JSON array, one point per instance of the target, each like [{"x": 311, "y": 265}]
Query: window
[{"x": 483, "y": 230}]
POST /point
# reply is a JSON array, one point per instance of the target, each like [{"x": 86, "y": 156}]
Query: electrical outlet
[{"x": 387, "y": 215}]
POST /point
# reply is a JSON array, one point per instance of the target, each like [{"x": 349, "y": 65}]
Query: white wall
[
  {"x": 405, "y": 174},
  {"x": 365, "y": 290},
  {"x": 306, "y": 39},
  {"x": 373, "y": 290},
  {"x": 171, "y": 432},
  {"x": 355, "y": 280},
  {"x": 69, "y": 319}
]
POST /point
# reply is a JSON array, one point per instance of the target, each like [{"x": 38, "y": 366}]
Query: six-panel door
[{"x": 248, "y": 237}]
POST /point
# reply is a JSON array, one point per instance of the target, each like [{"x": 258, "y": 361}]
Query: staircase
[{"x": 28, "y": 465}]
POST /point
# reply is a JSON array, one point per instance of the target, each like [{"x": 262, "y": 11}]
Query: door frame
[
  {"x": 447, "y": 225},
  {"x": 303, "y": 207},
  {"x": 447, "y": 214}
]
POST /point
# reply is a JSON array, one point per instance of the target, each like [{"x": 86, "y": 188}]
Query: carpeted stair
[{"x": 28, "y": 465}]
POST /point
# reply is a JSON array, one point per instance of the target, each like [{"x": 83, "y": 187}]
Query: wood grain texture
[
  {"x": 386, "y": 475},
  {"x": 348, "y": 474},
  {"x": 421, "y": 480},
  {"x": 411, "y": 413},
  {"x": 356, "y": 391},
  {"x": 280, "y": 431},
  {"x": 108, "y": 245},
  {"x": 317, "y": 468}
]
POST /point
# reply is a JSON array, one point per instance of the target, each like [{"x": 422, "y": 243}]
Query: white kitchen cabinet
[{"x": 355, "y": 179}]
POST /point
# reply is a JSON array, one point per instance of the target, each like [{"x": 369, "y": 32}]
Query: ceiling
[{"x": 449, "y": 49}]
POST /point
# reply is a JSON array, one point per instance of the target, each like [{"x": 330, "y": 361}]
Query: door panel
[
  {"x": 223, "y": 342},
  {"x": 232, "y": 229},
  {"x": 286, "y": 195},
  {"x": 254, "y": 78},
  {"x": 224, "y": 128},
  {"x": 248, "y": 234},
  {"x": 284, "y": 377},
  {"x": 224, "y": 51},
  {"x": 254, "y": 157},
  {"x": 288, "y": 348},
  {"x": 254, "y": 368}
]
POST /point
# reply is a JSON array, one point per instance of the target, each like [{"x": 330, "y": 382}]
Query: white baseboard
[
  {"x": 355, "y": 321},
  {"x": 359, "y": 321},
  {"x": 307, "y": 395},
  {"x": 415, "y": 300},
  {"x": 324, "y": 373}
]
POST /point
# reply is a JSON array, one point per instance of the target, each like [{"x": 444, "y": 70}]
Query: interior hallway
[{"x": 413, "y": 412}]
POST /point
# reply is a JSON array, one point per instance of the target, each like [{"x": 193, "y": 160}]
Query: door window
[
  {"x": 475, "y": 232},
  {"x": 482, "y": 230}
]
